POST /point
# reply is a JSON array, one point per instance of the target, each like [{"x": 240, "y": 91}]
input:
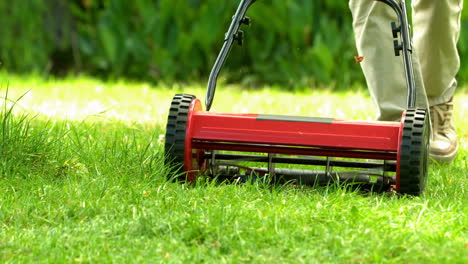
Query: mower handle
[
  {"x": 405, "y": 46},
  {"x": 235, "y": 34}
]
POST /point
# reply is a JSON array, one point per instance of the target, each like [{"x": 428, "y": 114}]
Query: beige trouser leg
[
  {"x": 437, "y": 27},
  {"x": 436, "y": 33}
]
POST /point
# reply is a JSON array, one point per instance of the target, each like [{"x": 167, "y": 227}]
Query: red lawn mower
[{"x": 232, "y": 146}]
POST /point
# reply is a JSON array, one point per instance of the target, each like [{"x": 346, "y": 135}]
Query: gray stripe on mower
[{"x": 323, "y": 120}]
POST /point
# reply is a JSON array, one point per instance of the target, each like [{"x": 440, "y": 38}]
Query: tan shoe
[{"x": 444, "y": 141}]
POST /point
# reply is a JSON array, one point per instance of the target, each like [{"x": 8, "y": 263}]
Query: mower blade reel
[
  {"x": 389, "y": 166},
  {"x": 309, "y": 177}
]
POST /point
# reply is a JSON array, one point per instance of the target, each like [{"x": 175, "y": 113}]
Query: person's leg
[
  {"x": 384, "y": 71},
  {"x": 436, "y": 33}
]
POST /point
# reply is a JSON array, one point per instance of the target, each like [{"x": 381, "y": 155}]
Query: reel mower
[{"x": 385, "y": 155}]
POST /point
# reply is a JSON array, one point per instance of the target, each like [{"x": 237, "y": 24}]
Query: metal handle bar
[
  {"x": 239, "y": 18},
  {"x": 400, "y": 9},
  {"x": 231, "y": 35}
]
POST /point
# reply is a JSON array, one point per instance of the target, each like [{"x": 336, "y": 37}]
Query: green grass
[{"x": 83, "y": 181}]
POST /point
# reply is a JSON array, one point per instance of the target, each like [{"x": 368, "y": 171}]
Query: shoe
[{"x": 444, "y": 141}]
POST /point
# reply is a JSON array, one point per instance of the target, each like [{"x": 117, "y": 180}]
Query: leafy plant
[{"x": 295, "y": 42}]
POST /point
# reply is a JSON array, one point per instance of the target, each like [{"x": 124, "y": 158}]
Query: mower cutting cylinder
[{"x": 202, "y": 142}]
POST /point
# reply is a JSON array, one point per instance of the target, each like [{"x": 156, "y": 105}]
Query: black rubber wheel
[
  {"x": 414, "y": 151},
  {"x": 175, "y": 134}
]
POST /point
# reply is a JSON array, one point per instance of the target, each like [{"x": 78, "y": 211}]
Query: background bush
[{"x": 293, "y": 42}]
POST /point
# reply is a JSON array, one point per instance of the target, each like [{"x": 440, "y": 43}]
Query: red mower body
[{"x": 209, "y": 132}]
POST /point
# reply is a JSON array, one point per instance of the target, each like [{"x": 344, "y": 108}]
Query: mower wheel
[
  {"x": 176, "y": 128},
  {"x": 413, "y": 159}
]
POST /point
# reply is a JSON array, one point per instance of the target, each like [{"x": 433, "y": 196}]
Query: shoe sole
[{"x": 443, "y": 159}]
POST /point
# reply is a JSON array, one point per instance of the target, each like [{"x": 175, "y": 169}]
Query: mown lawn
[{"x": 83, "y": 180}]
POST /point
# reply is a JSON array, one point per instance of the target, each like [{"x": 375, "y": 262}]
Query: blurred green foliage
[
  {"x": 295, "y": 42},
  {"x": 23, "y": 44}
]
